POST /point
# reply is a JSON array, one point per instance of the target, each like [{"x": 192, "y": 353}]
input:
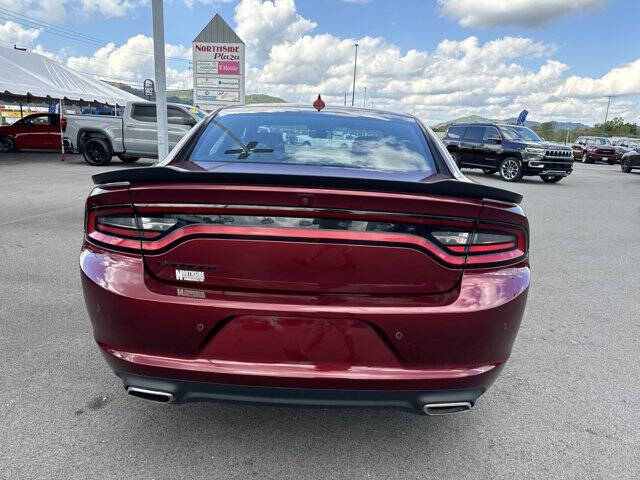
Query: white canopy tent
[{"x": 29, "y": 75}]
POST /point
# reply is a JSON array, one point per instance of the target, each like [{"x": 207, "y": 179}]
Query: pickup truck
[{"x": 131, "y": 136}]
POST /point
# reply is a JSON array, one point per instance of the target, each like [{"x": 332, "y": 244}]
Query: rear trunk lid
[
  {"x": 286, "y": 232},
  {"x": 296, "y": 239}
]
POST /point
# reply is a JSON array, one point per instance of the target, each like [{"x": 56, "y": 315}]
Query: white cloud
[
  {"x": 12, "y": 32},
  {"x": 51, "y": 11},
  {"x": 264, "y": 24},
  {"x": 132, "y": 62},
  {"x": 522, "y": 13},
  {"x": 621, "y": 80},
  {"x": 110, "y": 8}
]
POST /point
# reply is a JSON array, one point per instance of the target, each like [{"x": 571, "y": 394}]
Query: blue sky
[{"x": 557, "y": 58}]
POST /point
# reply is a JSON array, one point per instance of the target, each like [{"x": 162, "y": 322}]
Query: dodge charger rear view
[{"x": 283, "y": 255}]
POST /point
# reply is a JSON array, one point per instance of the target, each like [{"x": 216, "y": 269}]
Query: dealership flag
[{"x": 522, "y": 117}]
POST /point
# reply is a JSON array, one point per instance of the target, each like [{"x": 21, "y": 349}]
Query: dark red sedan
[
  {"x": 285, "y": 255},
  {"x": 40, "y": 131}
]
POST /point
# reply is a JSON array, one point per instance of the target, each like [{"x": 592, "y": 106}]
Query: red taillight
[
  {"x": 486, "y": 246},
  {"x": 453, "y": 242},
  {"x": 113, "y": 228},
  {"x": 120, "y": 229}
]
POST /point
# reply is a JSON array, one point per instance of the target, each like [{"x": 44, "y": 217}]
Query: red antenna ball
[{"x": 318, "y": 104}]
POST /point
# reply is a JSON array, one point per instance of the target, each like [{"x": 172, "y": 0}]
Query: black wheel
[
  {"x": 96, "y": 152},
  {"x": 456, "y": 158},
  {"x": 611, "y": 162},
  {"x": 551, "y": 178},
  {"x": 127, "y": 159},
  {"x": 625, "y": 168},
  {"x": 511, "y": 169},
  {"x": 489, "y": 171},
  {"x": 7, "y": 144}
]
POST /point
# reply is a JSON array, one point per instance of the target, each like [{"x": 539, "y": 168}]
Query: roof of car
[{"x": 292, "y": 107}]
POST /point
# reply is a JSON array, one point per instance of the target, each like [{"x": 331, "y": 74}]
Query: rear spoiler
[{"x": 168, "y": 174}]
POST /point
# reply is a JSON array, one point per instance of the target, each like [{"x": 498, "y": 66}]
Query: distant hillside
[
  {"x": 186, "y": 95},
  {"x": 529, "y": 123},
  {"x": 261, "y": 98}
]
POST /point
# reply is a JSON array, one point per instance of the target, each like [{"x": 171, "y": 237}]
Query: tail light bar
[{"x": 455, "y": 242}]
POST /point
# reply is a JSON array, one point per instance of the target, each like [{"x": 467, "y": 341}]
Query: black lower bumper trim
[{"x": 410, "y": 400}]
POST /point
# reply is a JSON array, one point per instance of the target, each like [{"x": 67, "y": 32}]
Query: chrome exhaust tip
[
  {"x": 152, "y": 395},
  {"x": 446, "y": 408}
]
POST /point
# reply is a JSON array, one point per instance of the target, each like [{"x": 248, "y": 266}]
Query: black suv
[{"x": 512, "y": 150}]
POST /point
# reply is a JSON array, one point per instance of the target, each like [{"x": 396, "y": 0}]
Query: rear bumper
[
  {"x": 457, "y": 341},
  {"x": 410, "y": 400}
]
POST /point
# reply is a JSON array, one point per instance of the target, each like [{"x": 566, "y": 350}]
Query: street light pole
[
  {"x": 355, "y": 63},
  {"x": 161, "y": 78},
  {"x": 364, "y": 98},
  {"x": 607, "y": 113}
]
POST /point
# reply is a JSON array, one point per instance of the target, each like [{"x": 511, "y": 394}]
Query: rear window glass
[
  {"x": 456, "y": 132},
  {"x": 474, "y": 133},
  {"x": 375, "y": 142}
]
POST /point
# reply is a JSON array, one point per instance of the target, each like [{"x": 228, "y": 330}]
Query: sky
[{"x": 440, "y": 59}]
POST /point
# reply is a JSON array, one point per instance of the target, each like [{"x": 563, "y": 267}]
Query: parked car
[
  {"x": 134, "y": 135},
  {"x": 244, "y": 268},
  {"x": 513, "y": 151},
  {"x": 630, "y": 161},
  {"x": 39, "y": 131},
  {"x": 592, "y": 149}
]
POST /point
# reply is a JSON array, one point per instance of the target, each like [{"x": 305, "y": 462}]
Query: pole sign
[{"x": 218, "y": 74}]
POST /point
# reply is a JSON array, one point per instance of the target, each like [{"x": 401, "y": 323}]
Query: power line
[{"x": 69, "y": 34}]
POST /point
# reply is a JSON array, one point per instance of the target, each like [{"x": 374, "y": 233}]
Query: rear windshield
[{"x": 375, "y": 141}]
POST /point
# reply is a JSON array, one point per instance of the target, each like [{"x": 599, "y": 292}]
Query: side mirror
[{"x": 190, "y": 122}]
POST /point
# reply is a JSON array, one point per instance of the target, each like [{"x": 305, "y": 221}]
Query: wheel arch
[{"x": 86, "y": 134}]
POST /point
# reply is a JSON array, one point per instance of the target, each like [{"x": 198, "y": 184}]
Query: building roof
[{"x": 218, "y": 31}]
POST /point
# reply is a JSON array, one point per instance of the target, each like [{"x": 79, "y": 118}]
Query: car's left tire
[
  {"x": 625, "y": 168},
  {"x": 551, "y": 178},
  {"x": 7, "y": 145},
  {"x": 511, "y": 169},
  {"x": 611, "y": 162}
]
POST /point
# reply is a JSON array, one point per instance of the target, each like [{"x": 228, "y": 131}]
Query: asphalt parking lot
[{"x": 566, "y": 405}]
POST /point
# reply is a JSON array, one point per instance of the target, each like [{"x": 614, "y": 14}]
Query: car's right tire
[
  {"x": 551, "y": 178},
  {"x": 511, "y": 169},
  {"x": 127, "y": 159},
  {"x": 7, "y": 145},
  {"x": 625, "y": 168},
  {"x": 96, "y": 152}
]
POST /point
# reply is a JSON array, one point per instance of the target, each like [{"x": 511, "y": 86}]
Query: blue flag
[{"x": 522, "y": 117}]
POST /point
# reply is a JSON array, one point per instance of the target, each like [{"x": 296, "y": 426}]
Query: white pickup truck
[{"x": 131, "y": 136}]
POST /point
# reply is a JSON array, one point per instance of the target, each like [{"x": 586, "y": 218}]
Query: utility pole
[
  {"x": 364, "y": 99},
  {"x": 161, "y": 78},
  {"x": 607, "y": 113},
  {"x": 355, "y": 63},
  {"x": 345, "y": 99}
]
